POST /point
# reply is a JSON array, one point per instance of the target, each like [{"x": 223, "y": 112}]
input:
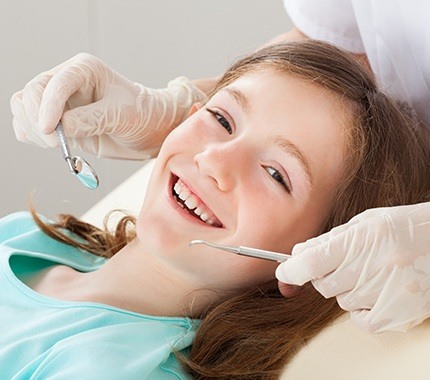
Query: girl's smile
[{"x": 191, "y": 205}]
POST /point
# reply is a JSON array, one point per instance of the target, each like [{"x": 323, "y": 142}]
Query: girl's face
[{"x": 256, "y": 166}]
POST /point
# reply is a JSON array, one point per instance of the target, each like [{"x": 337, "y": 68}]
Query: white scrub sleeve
[{"x": 329, "y": 20}]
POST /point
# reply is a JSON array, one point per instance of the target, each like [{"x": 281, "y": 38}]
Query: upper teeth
[{"x": 192, "y": 202}]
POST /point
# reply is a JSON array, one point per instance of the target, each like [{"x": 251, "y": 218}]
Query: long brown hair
[{"x": 254, "y": 335}]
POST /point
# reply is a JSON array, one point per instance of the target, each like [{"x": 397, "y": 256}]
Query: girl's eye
[
  {"x": 221, "y": 119},
  {"x": 277, "y": 176}
]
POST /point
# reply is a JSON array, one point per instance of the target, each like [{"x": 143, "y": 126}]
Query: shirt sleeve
[
  {"x": 16, "y": 224},
  {"x": 131, "y": 351},
  {"x": 332, "y": 21},
  {"x": 108, "y": 362}
]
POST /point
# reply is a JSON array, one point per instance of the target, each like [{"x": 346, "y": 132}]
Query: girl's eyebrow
[
  {"x": 240, "y": 98},
  {"x": 293, "y": 150}
]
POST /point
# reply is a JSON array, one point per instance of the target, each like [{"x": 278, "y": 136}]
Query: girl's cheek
[
  {"x": 179, "y": 134},
  {"x": 195, "y": 130},
  {"x": 192, "y": 131}
]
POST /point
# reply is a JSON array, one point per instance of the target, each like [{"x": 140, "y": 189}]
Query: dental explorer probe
[{"x": 245, "y": 251}]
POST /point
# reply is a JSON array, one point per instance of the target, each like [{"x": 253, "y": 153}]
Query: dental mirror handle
[{"x": 64, "y": 146}]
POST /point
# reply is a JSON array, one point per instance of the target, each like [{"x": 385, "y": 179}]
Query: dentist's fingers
[
  {"x": 98, "y": 118},
  {"x": 338, "y": 282},
  {"x": 24, "y": 128},
  {"x": 19, "y": 122},
  {"x": 294, "y": 271},
  {"x": 26, "y": 135},
  {"x": 85, "y": 121},
  {"x": 32, "y": 97},
  {"x": 53, "y": 102},
  {"x": 322, "y": 257},
  {"x": 363, "y": 296},
  {"x": 67, "y": 81}
]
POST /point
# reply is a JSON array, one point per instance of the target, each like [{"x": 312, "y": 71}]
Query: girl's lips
[{"x": 199, "y": 211}]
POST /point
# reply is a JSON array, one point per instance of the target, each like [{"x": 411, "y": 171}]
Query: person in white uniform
[{"x": 383, "y": 283}]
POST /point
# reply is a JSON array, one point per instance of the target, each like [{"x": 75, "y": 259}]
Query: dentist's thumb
[
  {"x": 314, "y": 258},
  {"x": 294, "y": 271},
  {"x": 291, "y": 275}
]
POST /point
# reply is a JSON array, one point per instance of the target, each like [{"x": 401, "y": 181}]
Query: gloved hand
[
  {"x": 102, "y": 112},
  {"x": 377, "y": 266}
]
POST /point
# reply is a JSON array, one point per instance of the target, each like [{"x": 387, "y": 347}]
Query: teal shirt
[{"x": 46, "y": 338}]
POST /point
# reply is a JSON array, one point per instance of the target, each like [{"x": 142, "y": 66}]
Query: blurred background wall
[{"x": 148, "y": 41}]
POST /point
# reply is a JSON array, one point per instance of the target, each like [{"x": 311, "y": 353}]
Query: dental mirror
[{"x": 77, "y": 165}]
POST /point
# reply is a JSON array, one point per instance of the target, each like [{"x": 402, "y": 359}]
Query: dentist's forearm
[{"x": 207, "y": 85}]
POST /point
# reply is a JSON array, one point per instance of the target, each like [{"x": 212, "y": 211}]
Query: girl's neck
[{"x": 131, "y": 280}]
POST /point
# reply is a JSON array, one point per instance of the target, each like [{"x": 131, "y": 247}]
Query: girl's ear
[{"x": 194, "y": 108}]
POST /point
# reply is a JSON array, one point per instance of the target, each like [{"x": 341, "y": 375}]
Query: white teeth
[
  {"x": 191, "y": 203},
  {"x": 184, "y": 195}
]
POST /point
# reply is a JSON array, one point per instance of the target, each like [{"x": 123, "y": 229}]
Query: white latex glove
[
  {"x": 377, "y": 266},
  {"x": 104, "y": 113}
]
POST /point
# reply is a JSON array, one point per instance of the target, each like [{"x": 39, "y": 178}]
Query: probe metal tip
[
  {"x": 192, "y": 242},
  {"x": 213, "y": 245},
  {"x": 217, "y": 246}
]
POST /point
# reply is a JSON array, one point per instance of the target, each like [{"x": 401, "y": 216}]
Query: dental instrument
[
  {"x": 246, "y": 251},
  {"x": 77, "y": 165}
]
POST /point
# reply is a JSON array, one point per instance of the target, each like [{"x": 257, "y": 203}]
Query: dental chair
[{"x": 342, "y": 351}]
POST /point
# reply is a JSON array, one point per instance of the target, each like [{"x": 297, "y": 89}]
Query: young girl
[{"x": 295, "y": 140}]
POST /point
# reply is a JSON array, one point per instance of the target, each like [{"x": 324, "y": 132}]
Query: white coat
[{"x": 394, "y": 34}]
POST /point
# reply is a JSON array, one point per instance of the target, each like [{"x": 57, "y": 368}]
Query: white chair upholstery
[{"x": 341, "y": 351}]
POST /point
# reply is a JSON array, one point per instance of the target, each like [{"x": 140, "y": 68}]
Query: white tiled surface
[{"x": 148, "y": 41}]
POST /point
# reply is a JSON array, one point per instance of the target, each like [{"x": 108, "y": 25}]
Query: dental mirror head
[
  {"x": 77, "y": 165},
  {"x": 85, "y": 173}
]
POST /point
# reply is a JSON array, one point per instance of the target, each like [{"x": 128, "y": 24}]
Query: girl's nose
[{"x": 224, "y": 162}]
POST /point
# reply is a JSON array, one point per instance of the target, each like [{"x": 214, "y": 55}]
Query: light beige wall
[{"x": 150, "y": 42}]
